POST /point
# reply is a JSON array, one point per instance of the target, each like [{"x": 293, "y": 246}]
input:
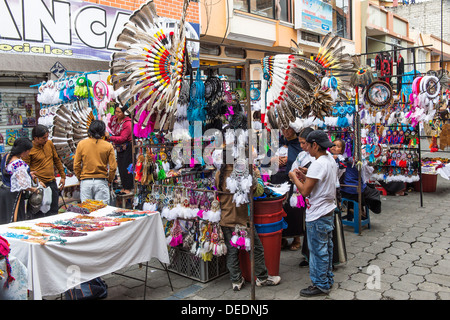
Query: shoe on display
[{"x": 270, "y": 281}]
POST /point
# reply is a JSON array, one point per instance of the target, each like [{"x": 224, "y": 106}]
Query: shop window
[
  {"x": 235, "y": 52},
  {"x": 210, "y": 49},
  {"x": 342, "y": 18},
  {"x": 311, "y": 37},
  {"x": 273, "y": 9},
  {"x": 284, "y": 10}
]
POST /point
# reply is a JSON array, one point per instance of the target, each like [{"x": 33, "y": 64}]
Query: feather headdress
[
  {"x": 151, "y": 64},
  {"x": 294, "y": 86}
]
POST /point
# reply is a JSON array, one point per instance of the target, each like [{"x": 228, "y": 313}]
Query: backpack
[{"x": 90, "y": 290}]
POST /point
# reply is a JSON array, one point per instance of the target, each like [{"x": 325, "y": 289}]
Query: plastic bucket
[
  {"x": 269, "y": 218},
  {"x": 269, "y": 206},
  {"x": 270, "y": 227},
  {"x": 429, "y": 183},
  {"x": 272, "y": 251}
]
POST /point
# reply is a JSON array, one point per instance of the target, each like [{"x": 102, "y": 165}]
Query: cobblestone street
[{"x": 405, "y": 255}]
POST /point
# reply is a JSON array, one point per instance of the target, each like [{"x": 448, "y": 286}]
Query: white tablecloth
[{"x": 54, "y": 268}]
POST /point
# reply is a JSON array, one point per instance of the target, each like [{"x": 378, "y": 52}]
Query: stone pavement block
[
  {"x": 420, "y": 271},
  {"x": 433, "y": 287},
  {"x": 404, "y": 286},
  {"x": 442, "y": 279},
  {"x": 341, "y": 294},
  {"x": 393, "y": 294},
  {"x": 368, "y": 295},
  {"x": 423, "y": 295},
  {"x": 412, "y": 278},
  {"x": 396, "y": 271}
]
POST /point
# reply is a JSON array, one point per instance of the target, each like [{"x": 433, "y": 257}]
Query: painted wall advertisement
[
  {"x": 70, "y": 29},
  {"x": 313, "y": 15}
]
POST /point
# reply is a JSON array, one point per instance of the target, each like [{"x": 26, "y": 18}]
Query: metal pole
[
  {"x": 413, "y": 51},
  {"x": 250, "y": 164},
  {"x": 358, "y": 159}
]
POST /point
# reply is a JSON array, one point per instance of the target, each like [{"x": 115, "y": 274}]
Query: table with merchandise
[{"x": 87, "y": 241}]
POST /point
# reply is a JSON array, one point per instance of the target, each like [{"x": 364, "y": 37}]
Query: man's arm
[
  {"x": 77, "y": 163},
  {"x": 112, "y": 165},
  {"x": 304, "y": 187},
  {"x": 58, "y": 164}
]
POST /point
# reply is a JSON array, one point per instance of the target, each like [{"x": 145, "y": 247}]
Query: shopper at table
[
  {"x": 16, "y": 179},
  {"x": 42, "y": 161},
  {"x": 95, "y": 164},
  {"x": 121, "y": 131},
  {"x": 319, "y": 187},
  {"x": 232, "y": 215}
]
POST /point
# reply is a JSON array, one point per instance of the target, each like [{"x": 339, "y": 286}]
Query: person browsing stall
[
  {"x": 42, "y": 161},
  {"x": 95, "y": 164},
  {"x": 15, "y": 180},
  {"x": 121, "y": 135},
  {"x": 318, "y": 186}
]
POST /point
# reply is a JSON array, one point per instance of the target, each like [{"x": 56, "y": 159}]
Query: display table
[{"x": 54, "y": 267}]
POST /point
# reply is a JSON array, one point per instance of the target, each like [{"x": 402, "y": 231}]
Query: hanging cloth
[{"x": 400, "y": 70}]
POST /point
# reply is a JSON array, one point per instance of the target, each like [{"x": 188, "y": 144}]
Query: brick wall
[
  {"x": 426, "y": 17},
  {"x": 165, "y": 8}
]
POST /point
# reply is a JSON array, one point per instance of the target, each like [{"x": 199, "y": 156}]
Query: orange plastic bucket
[
  {"x": 269, "y": 217},
  {"x": 268, "y": 206}
]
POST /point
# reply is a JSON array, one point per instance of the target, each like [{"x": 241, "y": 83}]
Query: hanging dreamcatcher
[{"x": 151, "y": 65}]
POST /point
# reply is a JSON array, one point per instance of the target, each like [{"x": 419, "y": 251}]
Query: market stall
[{"x": 65, "y": 250}]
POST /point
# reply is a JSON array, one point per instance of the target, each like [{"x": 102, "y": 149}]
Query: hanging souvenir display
[
  {"x": 151, "y": 65},
  {"x": 293, "y": 83}
]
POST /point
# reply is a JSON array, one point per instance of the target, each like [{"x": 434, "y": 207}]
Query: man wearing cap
[{"x": 318, "y": 186}]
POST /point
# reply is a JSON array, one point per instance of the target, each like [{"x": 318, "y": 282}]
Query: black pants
[
  {"x": 54, "y": 206},
  {"x": 124, "y": 159}
]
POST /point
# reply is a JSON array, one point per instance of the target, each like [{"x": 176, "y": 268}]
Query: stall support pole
[
  {"x": 250, "y": 164},
  {"x": 413, "y": 51},
  {"x": 357, "y": 153}
]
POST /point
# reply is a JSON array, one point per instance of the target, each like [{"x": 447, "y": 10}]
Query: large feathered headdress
[
  {"x": 294, "y": 86},
  {"x": 151, "y": 65}
]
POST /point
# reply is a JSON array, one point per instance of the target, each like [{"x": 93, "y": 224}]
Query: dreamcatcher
[{"x": 70, "y": 125}]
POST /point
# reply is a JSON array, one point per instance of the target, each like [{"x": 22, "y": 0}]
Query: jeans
[
  {"x": 233, "y": 257},
  {"x": 320, "y": 243},
  {"x": 94, "y": 189}
]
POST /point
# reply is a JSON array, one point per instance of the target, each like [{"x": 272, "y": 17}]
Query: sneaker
[
  {"x": 238, "y": 285},
  {"x": 312, "y": 291},
  {"x": 270, "y": 281}
]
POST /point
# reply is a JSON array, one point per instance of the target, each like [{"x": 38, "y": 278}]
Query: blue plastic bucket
[{"x": 271, "y": 227}]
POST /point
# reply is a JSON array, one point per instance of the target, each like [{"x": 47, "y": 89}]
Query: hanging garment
[{"x": 400, "y": 70}]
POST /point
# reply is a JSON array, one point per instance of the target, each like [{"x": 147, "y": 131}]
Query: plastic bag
[{"x": 46, "y": 200}]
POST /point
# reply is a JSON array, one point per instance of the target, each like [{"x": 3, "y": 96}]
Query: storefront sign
[
  {"x": 63, "y": 28},
  {"x": 313, "y": 15}
]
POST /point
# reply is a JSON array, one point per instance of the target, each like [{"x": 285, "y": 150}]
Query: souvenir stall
[
  {"x": 67, "y": 107},
  {"x": 171, "y": 107},
  {"x": 51, "y": 247},
  {"x": 18, "y": 109},
  {"x": 391, "y": 120}
]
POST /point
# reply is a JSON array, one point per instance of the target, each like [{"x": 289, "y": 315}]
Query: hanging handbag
[{"x": 36, "y": 198}]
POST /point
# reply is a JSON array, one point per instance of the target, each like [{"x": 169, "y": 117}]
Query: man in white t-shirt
[{"x": 318, "y": 186}]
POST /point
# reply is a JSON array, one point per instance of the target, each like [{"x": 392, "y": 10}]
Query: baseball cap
[{"x": 319, "y": 137}]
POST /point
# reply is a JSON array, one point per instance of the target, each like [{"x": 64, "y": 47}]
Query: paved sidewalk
[{"x": 405, "y": 255}]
